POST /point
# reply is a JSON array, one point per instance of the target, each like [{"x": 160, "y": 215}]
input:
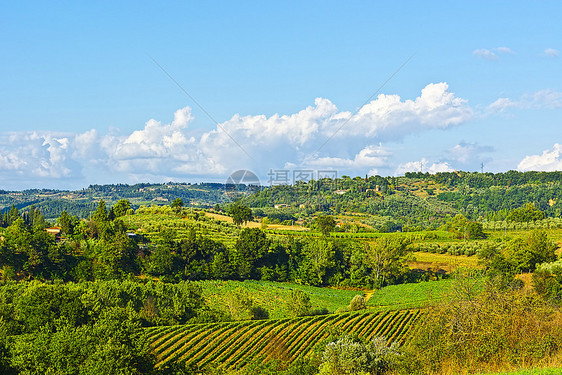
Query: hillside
[{"x": 238, "y": 344}]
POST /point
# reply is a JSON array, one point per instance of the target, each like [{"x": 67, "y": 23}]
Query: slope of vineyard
[{"x": 235, "y": 344}]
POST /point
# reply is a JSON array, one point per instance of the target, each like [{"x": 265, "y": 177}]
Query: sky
[{"x": 127, "y": 92}]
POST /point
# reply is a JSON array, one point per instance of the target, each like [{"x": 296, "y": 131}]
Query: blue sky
[{"x": 82, "y": 102}]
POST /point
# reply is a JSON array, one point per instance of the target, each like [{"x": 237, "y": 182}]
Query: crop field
[
  {"x": 233, "y": 345},
  {"x": 445, "y": 262},
  {"x": 273, "y": 295},
  {"x": 150, "y": 221},
  {"x": 415, "y": 295}
]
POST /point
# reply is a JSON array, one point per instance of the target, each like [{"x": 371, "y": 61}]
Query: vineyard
[{"x": 236, "y": 344}]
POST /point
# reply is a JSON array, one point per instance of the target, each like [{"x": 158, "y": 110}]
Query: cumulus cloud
[
  {"x": 551, "y": 52},
  {"x": 318, "y": 136},
  {"x": 422, "y": 166},
  {"x": 369, "y": 157},
  {"x": 549, "y": 99},
  {"x": 550, "y": 160}
]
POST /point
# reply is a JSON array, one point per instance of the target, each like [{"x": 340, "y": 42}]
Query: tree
[
  {"x": 347, "y": 356},
  {"x": 525, "y": 214},
  {"x": 67, "y": 222},
  {"x": 357, "y": 303},
  {"x": 385, "y": 257},
  {"x": 177, "y": 205},
  {"x": 121, "y": 207},
  {"x": 240, "y": 213},
  {"x": 325, "y": 224},
  {"x": 252, "y": 245},
  {"x": 526, "y": 254},
  {"x": 465, "y": 229},
  {"x": 319, "y": 258},
  {"x": 100, "y": 215}
]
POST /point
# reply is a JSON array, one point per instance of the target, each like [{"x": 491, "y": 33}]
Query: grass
[
  {"x": 273, "y": 296},
  {"x": 445, "y": 262},
  {"x": 411, "y": 295},
  {"x": 544, "y": 371}
]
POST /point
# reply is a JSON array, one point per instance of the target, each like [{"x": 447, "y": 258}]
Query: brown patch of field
[
  {"x": 442, "y": 262},
  {"x": 253, "y": 224},
  {"x": 249, "y": 224}
]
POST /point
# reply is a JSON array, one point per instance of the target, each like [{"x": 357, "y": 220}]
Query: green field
[
  {"x": 233, "y": 345},
  {"x": 273, "y": 296},
  {"x": 410, "y": 295}
]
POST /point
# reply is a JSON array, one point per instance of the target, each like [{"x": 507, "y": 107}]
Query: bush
[
  {"x": 299, "y": 304},
  {"x": 348, "y": 356},
  {"x": 358, "y": 303},
  {"x": 490, "y": 330}
]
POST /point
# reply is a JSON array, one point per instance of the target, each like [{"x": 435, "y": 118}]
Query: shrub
[
  {"x": 299, "y": 304},
  {"x": 357, "y": 303},
  {"x": 347, "y": 356}
]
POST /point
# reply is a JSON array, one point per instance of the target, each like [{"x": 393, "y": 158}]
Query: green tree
[
  {"x": 177, "y": 205},
  {"x": 525, "y": 214},
  {"x": 346, "y": 356},
  {"x": 463, "y": 228},
  {"x": 252, "y": 245},
  {"x": 67, "y": 222},
  {"x": 240, "y": 213},
  {"x": 100, "y": 215},
  {"x": 319, "y": 258},
  {"x": 325, "y": 224},
  {"x": 526, "y": 254},
  {"x": 385, "y": 258},
  {"x": 358, "y": 303},
  {"x": 121, "y": 207}
]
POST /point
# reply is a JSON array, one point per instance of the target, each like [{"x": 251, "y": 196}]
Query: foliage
[
  {"x": 347, "y": 356},
  {"x": 489, "y": 329},
  {"x": 325, "y": 224},
  {"x": 526, "y": 254},
  {"x": 236, "y": 345},
  {"x": 465, "y": 229},
  {"x": 299, "y": 303},
  {"x": 525, "y": 214},
  {"x": 240, "y": 213},
  {"x": 385, "y": 258},
  {"x": 357, "y": 303}
]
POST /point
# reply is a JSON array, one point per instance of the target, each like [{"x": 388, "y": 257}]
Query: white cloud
[
  {"x": 422, "y": 166},
  {"x": 466, "y": 152},
  {"x": 10, "y": 161},
  {"x": 504, "y": 50},
  {"x": 369, "y": 157},
  {"x": 551, "y": 52},
  {"x": 549, "y": 99},
  {"x": 318, "y": 136},
  {"x": 485, "y": 54},
  {"x": 492, "y": 54},
  {"x": 550, "y": 160}
]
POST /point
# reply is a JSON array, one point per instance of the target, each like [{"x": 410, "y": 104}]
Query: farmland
[
  {"x": 234, "y": 345},
  {"x": 194, "y": 289}
]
